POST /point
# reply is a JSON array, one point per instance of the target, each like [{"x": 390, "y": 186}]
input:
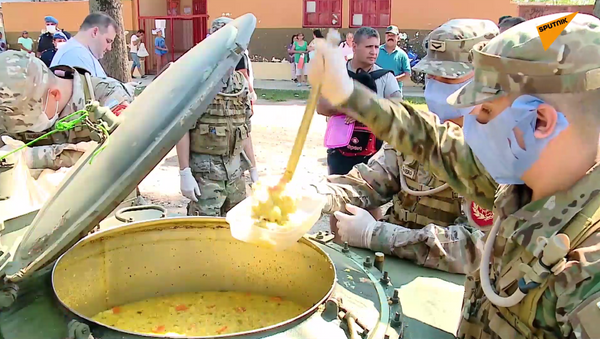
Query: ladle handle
[
  {"x": 309, "y": 112},
  {"x": 333, "y": 38}
]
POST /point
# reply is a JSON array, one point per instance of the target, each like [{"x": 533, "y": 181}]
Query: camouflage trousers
[{"x": 217, "y": 197}]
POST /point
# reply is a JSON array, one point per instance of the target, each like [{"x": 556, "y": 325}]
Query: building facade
[{"x": 277, "y": 20}]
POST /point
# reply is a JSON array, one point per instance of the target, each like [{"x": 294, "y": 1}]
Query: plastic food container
[
  {"x": 338, "y": 133},
  {"x": 307, "y": 214}
]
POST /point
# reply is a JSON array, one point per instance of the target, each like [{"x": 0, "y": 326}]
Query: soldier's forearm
[
  {"x": 249, "y": 150},
  {"x": 441, "y": 148},
  {"x": 350, "y": 189},
  {"x": 183, "y": 151},
  {"x": 454, "y": 249},
  {"x": 326, "y": 109}
]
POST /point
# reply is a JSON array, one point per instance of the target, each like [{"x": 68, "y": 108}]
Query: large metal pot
[{"x": 161, "y": 257}]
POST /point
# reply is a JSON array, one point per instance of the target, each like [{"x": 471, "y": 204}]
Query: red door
[
  {"x": 199, "y": 7},
  {"x": 199, "y": 24}
]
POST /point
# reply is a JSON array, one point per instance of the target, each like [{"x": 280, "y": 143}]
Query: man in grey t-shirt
[
  {"x": 366, "y": 49},
  {"x": 95, "y": 37}
]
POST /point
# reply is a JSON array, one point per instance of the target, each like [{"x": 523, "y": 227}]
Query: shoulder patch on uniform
[{"x": 584, "y": 319}]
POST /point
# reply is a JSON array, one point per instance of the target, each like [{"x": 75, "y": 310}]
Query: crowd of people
[
  {"x": 389, "y": 57},
  {"x": 487, "y": 176}
]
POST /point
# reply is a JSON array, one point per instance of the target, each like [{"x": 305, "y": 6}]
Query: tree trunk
[
  {"x": 597, "y": 9},
  {"x": 115, "y": 62}
]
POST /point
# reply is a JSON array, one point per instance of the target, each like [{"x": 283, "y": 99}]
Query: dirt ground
[{"x": 274, "y": 128}]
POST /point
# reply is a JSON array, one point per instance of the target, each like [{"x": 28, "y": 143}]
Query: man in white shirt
[
  {"x": 348, "y": 46},
  {"x": 95, "y": 37},
  {"x": 136, "y": 39}
]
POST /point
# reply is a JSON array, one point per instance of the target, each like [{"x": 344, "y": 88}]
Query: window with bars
[
  {"x": 322, "y": 13},
  {"x": 371, "y": 13}
]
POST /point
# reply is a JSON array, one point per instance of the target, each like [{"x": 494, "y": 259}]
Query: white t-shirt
[
  {"x": 386, "y": 85},
  {"x": 133, "y": 48},
  {"x": 74, "y": 54},
  {"x": 347, "y": 50}
]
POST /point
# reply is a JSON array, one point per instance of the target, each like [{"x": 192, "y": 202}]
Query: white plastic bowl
[{"x": 243, "y": 226}]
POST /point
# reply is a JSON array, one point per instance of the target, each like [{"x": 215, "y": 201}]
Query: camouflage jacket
[
  {"x": 223, "y": 167},
  {"x": 563, "y": 311},
  {"x": 373, "y": 185},
  {"x": 60, "y": 151}
]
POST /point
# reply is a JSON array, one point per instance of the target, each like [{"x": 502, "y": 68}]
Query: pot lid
[{"x": 151, "y": 126}]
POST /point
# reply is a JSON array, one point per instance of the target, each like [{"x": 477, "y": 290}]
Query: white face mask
[
  {"x": 50, "y": 29},
  {"x": 43, "y": 122},
  {"x": 58, "y": 44},
  {"x": 436, "y": 94}
]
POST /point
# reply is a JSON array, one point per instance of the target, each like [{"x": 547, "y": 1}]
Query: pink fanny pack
[{"x": 338, "y": 133}]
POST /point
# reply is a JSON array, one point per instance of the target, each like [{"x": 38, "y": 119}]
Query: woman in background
[
  {"x": 161, "y": 50},
  {"x": 300, "y": 50},
  {"x": 290, "y": 49}
]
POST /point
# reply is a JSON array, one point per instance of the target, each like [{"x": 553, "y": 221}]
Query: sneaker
[{"x": 143, "y": 76}]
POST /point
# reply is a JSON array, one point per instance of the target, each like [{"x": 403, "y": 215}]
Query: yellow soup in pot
[{"x": 200, "y": 314}]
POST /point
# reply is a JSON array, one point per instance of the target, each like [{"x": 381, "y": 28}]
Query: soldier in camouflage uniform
[
  {"x": 422, "y": 204},
  {"x": 209, "y": 155},
  {"x": 33, "y": 97},
  {"x": 537, "y": 134}
]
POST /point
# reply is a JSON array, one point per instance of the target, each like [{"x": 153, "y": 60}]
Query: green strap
[{"x": 63, "y": 125}]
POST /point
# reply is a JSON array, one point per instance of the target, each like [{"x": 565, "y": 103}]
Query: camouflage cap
[
  {"x": 23, "y": 85},
  {"x": 219, "y": 23},
  {"x": 516, "y": 62},
  {"x": 448, "y": 47}
]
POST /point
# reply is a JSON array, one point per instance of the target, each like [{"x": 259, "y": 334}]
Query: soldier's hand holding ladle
[{"x": 329, "y": 68}]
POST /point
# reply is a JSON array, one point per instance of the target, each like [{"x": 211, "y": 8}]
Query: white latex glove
[
  {"x": 254, "y": 174},
  {"x": 253, "y": 97},
  {"x": 11, "y": 144},
  {"x": 188, "y": 185},
  {"x": 328, "y": 67},
  {"x": 356, "y": 228}
]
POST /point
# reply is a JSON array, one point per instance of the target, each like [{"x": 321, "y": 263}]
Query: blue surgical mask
[
  {"x": 495, "y": 144},
  {"x": 436, "y": 94}
]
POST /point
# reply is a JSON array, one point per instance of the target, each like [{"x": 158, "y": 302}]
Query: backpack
[{"x": 363, "y": 142}]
